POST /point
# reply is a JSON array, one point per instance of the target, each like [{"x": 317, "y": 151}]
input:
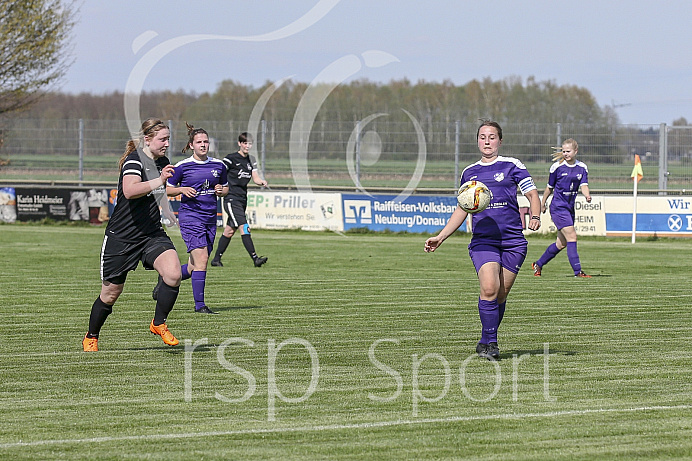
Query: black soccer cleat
[
  {"x": 489, "y": 351},
  {"x": 260, "y": 260},
  {"x": 155, "y": 291},
  {"x": 493, "y": 351},
  {"x": 205, "y": 310},
  {"x": 216, "y": 262}
]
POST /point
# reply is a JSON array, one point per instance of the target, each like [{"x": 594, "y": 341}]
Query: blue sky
[{"x": 636, "y": 54}]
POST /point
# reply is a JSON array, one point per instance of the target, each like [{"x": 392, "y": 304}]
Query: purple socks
[
  {"x": 199, "y": 279},
  {"x": 573, "y": 257},
  {"x": 549, "y": 254},
  {"x": 489, "y": 312},
  {"x": 185, "y": 272}
]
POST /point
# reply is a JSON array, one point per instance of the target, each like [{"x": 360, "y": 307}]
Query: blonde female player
[
  {"x": 498, "y": 246},
  {"x": 567, "y": 176},
  {"x": 134, "y": 233}
]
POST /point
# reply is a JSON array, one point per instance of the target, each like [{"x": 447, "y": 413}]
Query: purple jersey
[
  {"x": 565, "y": 180},
  {"x": 500, "y": 222},
  {"x": 201, "y": 176}
]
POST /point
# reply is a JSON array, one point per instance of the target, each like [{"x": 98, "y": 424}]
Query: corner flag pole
[{"x": 637, "y": 175}]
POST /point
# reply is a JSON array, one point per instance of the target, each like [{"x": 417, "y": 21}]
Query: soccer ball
[{"x": 474, "y": 196}]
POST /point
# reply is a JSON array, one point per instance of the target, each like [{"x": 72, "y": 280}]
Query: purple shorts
[
  {"x": 198, "y": 235},
  {"x": 510, "y": 258},
  {"x": 562, "y": 217}
]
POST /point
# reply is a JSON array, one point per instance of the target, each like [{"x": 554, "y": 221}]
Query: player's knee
[
  {"x": 246, "y": 229},
  {"x": 490, "y": 291},
  {"x": 110, "y": 293},
  {"x": 172, "y": 278}
]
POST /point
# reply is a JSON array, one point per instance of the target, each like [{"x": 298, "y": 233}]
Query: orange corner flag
[{"x": 637, "y": 170}]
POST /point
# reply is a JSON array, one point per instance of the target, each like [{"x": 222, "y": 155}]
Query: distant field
[
  {"x": 385, "y": 173},
  {"x": 356, "y": 346}
]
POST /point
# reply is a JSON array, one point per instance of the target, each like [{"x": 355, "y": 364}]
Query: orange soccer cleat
[
  {"x": 90, "y": 344},
  {"x": 166, "y": 335},
  {"x": 536, "y": 269},
  {"x": 582, "y": 275}
]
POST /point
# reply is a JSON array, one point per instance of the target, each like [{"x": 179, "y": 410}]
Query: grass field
[{"x": 347, "y": 347}]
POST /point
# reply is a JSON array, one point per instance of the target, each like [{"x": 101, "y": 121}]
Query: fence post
[
  {"x": 559, "y": 135},
  {"x": 81, "y": 151},
  {"x": 170, "y": 141},
  {"x": 663, "y": 158},
  {"x": 457, "y": 130},
  {"x": 358, "y": 151},
  {"x": 263, "y": 152}
]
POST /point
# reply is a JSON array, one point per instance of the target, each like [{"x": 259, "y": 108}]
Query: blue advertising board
[
  {"x": 649, "y": 222},
  {"x": 661, "y": 215},
  {"x": 415, "y": 213}
]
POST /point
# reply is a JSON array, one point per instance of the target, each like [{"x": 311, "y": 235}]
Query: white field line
[{"x": 338, "y": 427}]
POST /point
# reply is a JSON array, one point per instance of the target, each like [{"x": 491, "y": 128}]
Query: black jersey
[
  {"x": 240, "y": 170},
  {"x": 134, "y": 219}
]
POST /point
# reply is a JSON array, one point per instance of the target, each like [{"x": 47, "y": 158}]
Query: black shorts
[
  {"x": 235, "y": 209},
  {"x": 118, "y": 257}
]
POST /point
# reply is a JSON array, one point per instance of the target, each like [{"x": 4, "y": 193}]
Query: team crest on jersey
[
  {"x": 499, "y": 176},
  {"x": 579, "y": 176},
  {"x": 215, "y": 173}
]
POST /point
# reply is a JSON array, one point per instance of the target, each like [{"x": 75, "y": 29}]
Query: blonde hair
[
  {"x": 150, "y": 127},
  {"x": 557, "y": 151}
]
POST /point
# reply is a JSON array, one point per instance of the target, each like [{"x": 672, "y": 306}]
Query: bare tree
[{"x": 35, "y": 49}]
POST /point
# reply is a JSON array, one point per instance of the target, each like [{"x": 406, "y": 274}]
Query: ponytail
[
  {"x": 557, "y": 151},
  {"x": 149, "y": 128},
  {"x": 557, "y": 154},
  {"x": 191, "y": 133}
]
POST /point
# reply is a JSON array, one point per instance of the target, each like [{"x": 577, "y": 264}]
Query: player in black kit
[
  {"x": 241, "y": 168},
  {"x": 134, "y": 233}
]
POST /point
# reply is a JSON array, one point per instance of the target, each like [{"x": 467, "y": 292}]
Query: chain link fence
[{"x": 377, "y": 154}]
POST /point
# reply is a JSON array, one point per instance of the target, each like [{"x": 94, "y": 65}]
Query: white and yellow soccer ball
[{"x": 474, "y": 196}]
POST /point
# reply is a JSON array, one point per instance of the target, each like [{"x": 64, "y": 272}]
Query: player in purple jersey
[
  {"x": 567, "y": 176},
  {"x": 498, "y": 246},
  {"x": 134, "y": 233},
  {"x": 200, "y": 179}
]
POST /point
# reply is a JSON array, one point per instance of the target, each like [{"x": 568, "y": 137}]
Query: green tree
[{"x": 35, "y": 49}]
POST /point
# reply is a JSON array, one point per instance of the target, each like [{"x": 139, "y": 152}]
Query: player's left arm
[
  {"x": 585, "y": 192},
  {"x": 534, "y": 208},
  {"x": 257, "y": 179},
  {"x": 221, "y": 190}
]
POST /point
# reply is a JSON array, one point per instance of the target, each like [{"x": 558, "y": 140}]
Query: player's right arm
[
  {"x": 172, "y": 191},
  {"x": 134, "y": 187},
  {"x": 455, "y": 221},
  {"x": 546, "y": 194}
]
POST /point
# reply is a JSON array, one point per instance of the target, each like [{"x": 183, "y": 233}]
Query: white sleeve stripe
[
  {"x": 137, "y": 172},
  {"x": 136, "y": 162},
  {"x": 527, "y": 185}
]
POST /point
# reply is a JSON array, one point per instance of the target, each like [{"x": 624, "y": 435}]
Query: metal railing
[{"x": 370, "y": 155}]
